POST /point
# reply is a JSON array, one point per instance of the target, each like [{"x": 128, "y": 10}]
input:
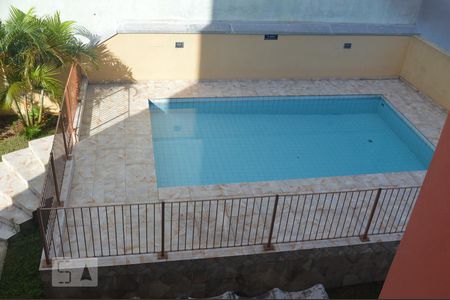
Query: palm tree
[{"x": 33, "y": 51}]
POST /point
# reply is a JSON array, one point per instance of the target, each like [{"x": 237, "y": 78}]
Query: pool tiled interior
[{"x": 206, "y": 141}]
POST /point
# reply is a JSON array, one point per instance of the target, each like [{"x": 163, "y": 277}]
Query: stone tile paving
[
  {"x": 114, "y": 165},
  {"x": 114, "y": 161}
]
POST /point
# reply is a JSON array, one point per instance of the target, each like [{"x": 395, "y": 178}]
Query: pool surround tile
[{"x": 115, "y": 162}]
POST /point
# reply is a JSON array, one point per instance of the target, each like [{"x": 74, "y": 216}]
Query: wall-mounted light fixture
[{"x": 271, "y": 37}]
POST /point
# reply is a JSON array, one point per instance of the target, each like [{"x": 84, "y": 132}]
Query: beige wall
[
  {"x": 214, "y": 56},
  {"x": 428, "y": 69}
]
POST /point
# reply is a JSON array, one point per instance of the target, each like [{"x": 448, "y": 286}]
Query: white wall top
[{"x": 103, "y": 17}]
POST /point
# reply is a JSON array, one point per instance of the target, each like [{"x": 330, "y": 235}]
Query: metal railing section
[
  {"x": 164, "y": 227},
  {"x": 60, "y": 153}
]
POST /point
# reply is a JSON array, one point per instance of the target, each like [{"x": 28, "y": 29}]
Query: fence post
[
  {"x": 43, "y": 237},
  {"x": 68, "y": 108},
  {"x": 269, "y": 245},
  {"x": 364, "y": 237},
  {"x": 162, "y": 254},
  {"x": 55, "y": 180},
  {"x": 66, "y": 147}
]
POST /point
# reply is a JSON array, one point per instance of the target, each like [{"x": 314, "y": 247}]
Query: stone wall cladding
[{"x": 248, "y": 275}]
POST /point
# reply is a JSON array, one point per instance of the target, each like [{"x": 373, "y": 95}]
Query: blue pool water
[{"x": 229, "y": 140}]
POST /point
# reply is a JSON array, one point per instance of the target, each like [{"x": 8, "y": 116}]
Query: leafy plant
[
  {"x": 33, "y": 131},
  {"x": 33, "y": 51}
]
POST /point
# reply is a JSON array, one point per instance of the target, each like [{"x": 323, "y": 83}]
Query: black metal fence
[
  {"x": 61, "y": 151},
  {"x": 165, "y": 227}
]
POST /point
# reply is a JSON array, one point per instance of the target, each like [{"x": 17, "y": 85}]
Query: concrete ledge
[
  {"x": 248, "y": 275},
  {"x": 285, "y": 28},
  {"x": 3, "y": 249}
]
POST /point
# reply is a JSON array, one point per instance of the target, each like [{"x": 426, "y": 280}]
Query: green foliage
[
  {"x": 14, "y": 137},
  {"x": 20, "y": 277},
  {"x": 32, "y": 52},
  {"x": 13, "y": 143},
  {"x": 33, "y": 131},
  {"x": 35, "y": 116}
]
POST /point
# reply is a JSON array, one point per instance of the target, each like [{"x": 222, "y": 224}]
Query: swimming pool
[{"x": 201, "y": 141}]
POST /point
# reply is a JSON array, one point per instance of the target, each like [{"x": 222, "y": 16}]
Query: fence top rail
[
  {"x": 62, "y": 108},
  {"x": 59, "y": 128},
  {"x": 73, "y": 68},
  {"x": 231, "y": 199}
]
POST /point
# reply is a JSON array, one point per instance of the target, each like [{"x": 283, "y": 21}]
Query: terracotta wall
[{"x": 421, "y": 266}]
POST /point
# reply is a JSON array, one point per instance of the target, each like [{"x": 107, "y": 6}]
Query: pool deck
[{"x": 114, "y": 163}]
